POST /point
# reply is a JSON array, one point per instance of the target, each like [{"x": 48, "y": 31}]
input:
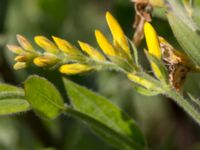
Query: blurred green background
[{"x": 165, "y": 125}]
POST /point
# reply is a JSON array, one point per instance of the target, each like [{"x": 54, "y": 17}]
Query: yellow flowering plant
[
  {"x": 170, "y": 67},
  {"x": 120, "y": 55}
]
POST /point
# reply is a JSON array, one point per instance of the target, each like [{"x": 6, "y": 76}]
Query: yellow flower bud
[
  {"x": 44, "y": 61},
  {"x": 24, "y": 43},
  {"x": 46, "y": 44},
  {"x": 117, "y": 33},
  {"x": 104, "y": 44},
  {"x": 24, "y": 57},
  {"x": 153, "y": 47},
  {"x": 71, "y": 69},
  {"x": 21, "y": 58},
  {"x": 152, "y": 40},
  {"x": 65, "y": 46},
  {"x": 20, "y": 65},
  {"x": 141, "y": 81},
  {"x": 92, "y": 52},
  {"x": 15, "y": 49}
]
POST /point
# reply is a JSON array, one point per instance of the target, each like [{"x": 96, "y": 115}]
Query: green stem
[
  {"x": 177, "y": 97},
  {"x": 185, "y": 105}
]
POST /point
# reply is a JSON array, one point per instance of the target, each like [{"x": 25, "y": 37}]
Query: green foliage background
[{"x": 164, "y": 124}]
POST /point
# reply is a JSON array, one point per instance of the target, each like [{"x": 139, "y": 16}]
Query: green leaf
[
  {"x": 135, "y": 52},
  {"x": 106, "y": 119},
  {"x": 44, "y": 98},
  {"x": 187, "y": 38},
  {"x": 10, "y": 91},
  {"x": 175, "y": 8},
  {"x": 12, "y": 106}
]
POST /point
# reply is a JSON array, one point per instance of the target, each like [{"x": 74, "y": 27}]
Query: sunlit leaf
[
  {"x": 13, "y": 106},
  {"x": 10, "y": 91},
  {"x": 108, "y": 120},
  {"x": 44, "y": 98}
]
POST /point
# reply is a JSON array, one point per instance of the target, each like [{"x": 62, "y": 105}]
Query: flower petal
[
  {"x": 46, "y": 44},
  {"x": 152, "y": 40},
  {"x": 117, "y": 33},
  {"x": 92, "y": 52},
  {"x": 71, "y": 69},
  {"x": 65, "y": 46},
  {"x": 104, "y": 44}
]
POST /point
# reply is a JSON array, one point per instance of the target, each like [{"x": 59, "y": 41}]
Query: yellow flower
[
  {"x": 104, "y": 44},
  {"x": 117, "y": 33},
  {"x": 46, "y": 44},
  {"x": 44, "y": 61},
  {"x": 153, "y": 47},
  {"x": 92, "y": 52},
  {"x": 152, "y": 40},
  {"x": 71, "y": 69},
  {"x": 65, "y": 46}
]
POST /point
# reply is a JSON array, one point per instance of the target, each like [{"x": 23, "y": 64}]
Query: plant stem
[
  {"x": 177, "y": 97},
  {"x": 185, "y": 104}
]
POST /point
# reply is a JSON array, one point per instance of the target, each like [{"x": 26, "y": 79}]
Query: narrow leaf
[
  {"x": 178, "y": 10},
  {"x": 135, "y": 52},
  {"x": 187, "y": 38},
  {"x": 44, "y": 98},
  {"x": 12, "y": 106},
  {"x": 10, "y": 91}
]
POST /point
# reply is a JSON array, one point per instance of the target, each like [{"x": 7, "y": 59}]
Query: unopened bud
[
  {"x": 24, "y": 43},
  {"x": 25, "y": 57},
  {"x": 45, "y": 61},
  {"x": 15, "y": 49},
  {"x": 20, "y": 65},
  {"x": 71, "y": 69}
]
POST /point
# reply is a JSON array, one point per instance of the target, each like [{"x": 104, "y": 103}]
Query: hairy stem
[{"x": 185, "y": 104}]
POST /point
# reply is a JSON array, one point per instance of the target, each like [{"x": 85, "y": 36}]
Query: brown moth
[{"x": 177, "y": 63}]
